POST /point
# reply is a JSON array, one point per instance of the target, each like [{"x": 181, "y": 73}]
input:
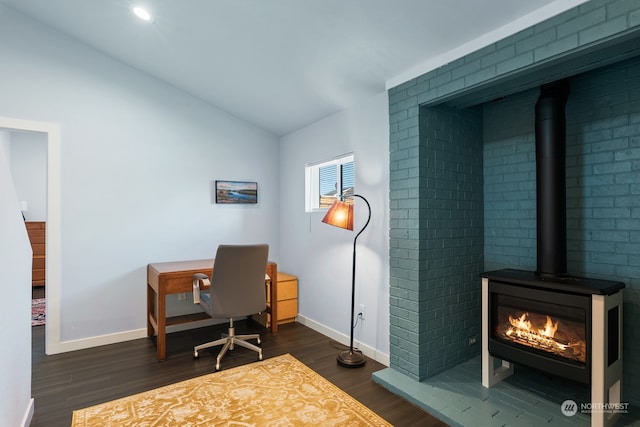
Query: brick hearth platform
[{"x": 528, "y": 398}]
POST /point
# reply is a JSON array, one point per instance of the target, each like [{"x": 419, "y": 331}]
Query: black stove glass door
[{"x": 557, "y": 331}]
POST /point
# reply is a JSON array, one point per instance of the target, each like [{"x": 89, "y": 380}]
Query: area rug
[
  {"x": 37, "y": 311},
  {"x": 277, "y": 392}
]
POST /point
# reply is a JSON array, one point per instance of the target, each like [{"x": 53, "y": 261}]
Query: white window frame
[{"x": 312, "y": 180}]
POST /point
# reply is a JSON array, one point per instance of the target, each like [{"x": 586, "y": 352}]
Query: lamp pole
[{"x": 350, "y": 358}]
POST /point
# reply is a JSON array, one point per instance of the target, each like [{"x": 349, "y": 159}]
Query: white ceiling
[{"x": 284, "y": 64}]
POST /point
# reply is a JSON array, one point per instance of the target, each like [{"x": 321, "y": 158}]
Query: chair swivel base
[
  {"x": 229, "y": 342},
  {"x": 351, "y": 359}
]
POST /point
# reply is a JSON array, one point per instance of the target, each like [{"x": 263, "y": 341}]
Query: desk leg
[
  {"x": 157, "y": 323},
  {"x": 273, "y": 273},
  {"x": 151, "y": 308},
  {"x": 161, "y": 340}
]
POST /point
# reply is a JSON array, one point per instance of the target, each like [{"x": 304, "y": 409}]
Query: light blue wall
[
  {"x": 137, "y": 161},
  {"x": 15, "y": 285},
  {"x": 29, "y": 171},
  {"x": 320, "y": 255}
]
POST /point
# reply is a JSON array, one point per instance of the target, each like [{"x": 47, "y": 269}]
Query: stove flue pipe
[{"x": 550, "y": 133}]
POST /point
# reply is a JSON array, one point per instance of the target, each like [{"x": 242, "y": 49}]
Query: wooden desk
[{"x": 165, "y": 278}]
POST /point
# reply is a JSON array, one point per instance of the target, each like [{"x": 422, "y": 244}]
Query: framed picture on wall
[{"x": 230, "y": 192}]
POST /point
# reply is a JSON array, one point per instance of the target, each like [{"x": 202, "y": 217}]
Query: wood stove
[
  {"x": 549, "y": 320},
  {"x": 570, "y": 327}
]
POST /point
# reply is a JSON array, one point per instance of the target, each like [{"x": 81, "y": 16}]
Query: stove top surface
[{"x": 572, "y": 284}]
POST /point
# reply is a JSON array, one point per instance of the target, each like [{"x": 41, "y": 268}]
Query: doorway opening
[{"x": 53, "y": 262}]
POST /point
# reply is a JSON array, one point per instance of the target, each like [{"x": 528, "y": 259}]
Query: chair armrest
[{"x": 197, "y": 278}]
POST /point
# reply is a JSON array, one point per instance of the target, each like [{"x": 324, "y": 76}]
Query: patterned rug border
[
  {"x": 364, "y": 415},
  {"x": 38, "y": 311}
]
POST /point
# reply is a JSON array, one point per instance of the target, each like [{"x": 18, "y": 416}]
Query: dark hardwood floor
[{"x": 65, "y": 382}]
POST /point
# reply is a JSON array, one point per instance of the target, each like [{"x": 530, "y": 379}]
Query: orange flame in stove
[
  {"x": 523, "y": 328},
  {"x": 530, "y": 329},
  {"x": 550, "y": 328}
]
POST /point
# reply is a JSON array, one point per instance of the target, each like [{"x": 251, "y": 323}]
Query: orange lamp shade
[{"x": 340, "y": 214}]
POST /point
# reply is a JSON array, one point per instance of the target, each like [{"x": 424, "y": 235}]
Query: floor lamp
[{"x": 340, "y": 214}]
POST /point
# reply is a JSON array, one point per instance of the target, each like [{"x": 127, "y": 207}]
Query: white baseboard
[
  {"x": 344, "y": 339},
  {"x": 28, "y": 416},
  {"x": 83, "y": 343},
  {"x": 80, "y": 344}
]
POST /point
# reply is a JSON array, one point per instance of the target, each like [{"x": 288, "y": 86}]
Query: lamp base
[{"x": 351, "y": 359}]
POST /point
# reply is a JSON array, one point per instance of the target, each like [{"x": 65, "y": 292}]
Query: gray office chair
[{"x": 236, "y": 290}]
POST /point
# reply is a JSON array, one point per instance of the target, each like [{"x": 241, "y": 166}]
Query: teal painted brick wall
[
  {"x": 435, "y": 242},
  {"x": 603, "y": 192},
  {"x": 603, "y": 176},
  {"x": 404, "y": 240},
  {"x": 524, "y": 60},
  {"x": 603, "y": 188},
  {"x": 451, "y": 150},
  {"x": 510, "y": 183}
]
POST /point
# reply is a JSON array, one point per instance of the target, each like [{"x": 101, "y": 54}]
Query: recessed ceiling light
[{"x": 142, "y": 13}]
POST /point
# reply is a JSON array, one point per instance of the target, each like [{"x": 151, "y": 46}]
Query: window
[{"x": 326, "y": 180}]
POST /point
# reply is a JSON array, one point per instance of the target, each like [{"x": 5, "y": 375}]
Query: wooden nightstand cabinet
[
  {"x": 37, "y": 231},
  {"x": 287, "y": 301}
]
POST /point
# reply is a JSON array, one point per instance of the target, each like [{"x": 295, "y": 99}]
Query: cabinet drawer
[
  {"x": 37, "y": 277},
  {"x": 287, "y": 290},
  {"x": 35, "y": 225},
  {"x": 287, "y": 309},
  {"x": 287, "y": 312},
  {"x": 38, "y": 249},
  {"x": 37, "y": 237},
  {"x": 39, "y": 263}
]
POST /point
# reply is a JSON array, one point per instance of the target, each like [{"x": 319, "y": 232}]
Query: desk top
[
  {"x": 191, "y": 265},
  {"x": 174, "y": 266},
  {"x": 165, "y": 278}
]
